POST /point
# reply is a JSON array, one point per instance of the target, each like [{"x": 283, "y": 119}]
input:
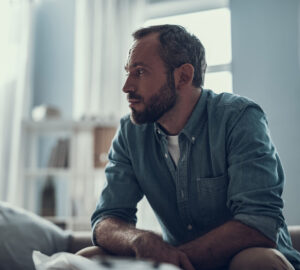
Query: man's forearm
[
  {"x": 123, "y": 239},
  {"x": 217, "y": 247},
  {"x": 117, "y": 236}
]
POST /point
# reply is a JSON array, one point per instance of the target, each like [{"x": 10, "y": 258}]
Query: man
[{"x": 204, "y": 161}]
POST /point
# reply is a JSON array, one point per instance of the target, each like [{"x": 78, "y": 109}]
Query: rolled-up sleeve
[
  {"x": 121, "y": 192},
  {"x": 255, "y": 173}
]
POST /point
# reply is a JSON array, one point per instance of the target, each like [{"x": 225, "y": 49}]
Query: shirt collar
[
  {"x": 192, "y": 128},
  {"x": 159, "y": 133}
]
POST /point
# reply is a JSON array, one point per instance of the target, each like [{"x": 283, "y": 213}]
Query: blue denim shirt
[{"x": 228, "y": 169}]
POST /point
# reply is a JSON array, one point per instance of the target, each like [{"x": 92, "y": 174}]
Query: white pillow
[{"x": 21, "y": 232}]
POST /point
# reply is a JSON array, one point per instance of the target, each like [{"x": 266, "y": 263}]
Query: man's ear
[{"x": 183, "y": 75}]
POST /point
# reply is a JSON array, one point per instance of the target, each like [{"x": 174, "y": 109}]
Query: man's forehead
[
  {"x": 149, "y": 40},
  {"x": 143, "y": 48}
]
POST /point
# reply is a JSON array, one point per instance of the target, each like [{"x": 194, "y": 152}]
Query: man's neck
[{"x": 174, "y": 121}]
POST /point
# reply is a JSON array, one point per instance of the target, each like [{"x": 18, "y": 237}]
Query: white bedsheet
[{"x": 68, "y": 261}]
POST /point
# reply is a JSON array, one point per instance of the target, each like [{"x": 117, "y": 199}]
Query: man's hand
[
  {"x": 123, "y": 239},
  {"x": 215, "y": 249},
  {"x": 148, "y": 245}
]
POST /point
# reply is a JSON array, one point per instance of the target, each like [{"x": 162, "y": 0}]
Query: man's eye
[{"x": 139, "y": 71}]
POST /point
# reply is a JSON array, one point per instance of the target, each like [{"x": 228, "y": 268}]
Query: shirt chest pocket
[{"x": 211, "y": 200}]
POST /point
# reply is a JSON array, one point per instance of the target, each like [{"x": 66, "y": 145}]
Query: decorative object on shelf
[
  {"x": 102, "y": 141},
  {"x": 45, "y": 112}
]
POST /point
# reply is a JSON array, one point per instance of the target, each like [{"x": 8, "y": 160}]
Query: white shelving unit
[{"x": 80, "y": 173}]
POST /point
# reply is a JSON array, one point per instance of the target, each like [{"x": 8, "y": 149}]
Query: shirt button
[
  {"x": 189, "y": 227},
  {"x": 158, "y": 131},
  {"x": 166, "y": 155},
  {"x": 193, "y": 139}
]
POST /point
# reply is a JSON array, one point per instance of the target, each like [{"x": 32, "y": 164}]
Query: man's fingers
[
  {"x": 185, "y": 262},
  {"x": 92, "y": 251}
]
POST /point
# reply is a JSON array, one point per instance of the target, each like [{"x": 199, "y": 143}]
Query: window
[
  {"x": 8, "y": 44},
  {"x": 212, "y": 27}
]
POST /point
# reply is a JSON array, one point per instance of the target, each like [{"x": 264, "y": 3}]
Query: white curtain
[
  {"x": 102, "y": 40},
  {"x": 15, "y": 73}
]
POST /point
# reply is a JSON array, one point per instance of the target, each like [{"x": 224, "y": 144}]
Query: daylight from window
[
  {"x": 6, "y": 47},
  {"x": 213, "y": 29}
]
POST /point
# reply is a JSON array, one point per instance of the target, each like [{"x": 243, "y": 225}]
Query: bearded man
[{"x": 205, "y": 163}]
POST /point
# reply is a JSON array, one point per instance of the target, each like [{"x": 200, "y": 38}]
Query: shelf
[
  {"x": 30, "y": 173},
  {"x": 75, "y": 219},
  {"x": 47, "y": 172},
  {"x": 67, "y": 125},
  {"x": 78, "y": 223},
  {"x": 76, "y": 165}
]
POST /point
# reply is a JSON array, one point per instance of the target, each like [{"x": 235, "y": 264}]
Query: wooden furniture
[{"x": 71, "y": 153}]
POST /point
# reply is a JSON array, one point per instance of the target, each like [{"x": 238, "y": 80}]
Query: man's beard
[{"x": 157, "y": 105}]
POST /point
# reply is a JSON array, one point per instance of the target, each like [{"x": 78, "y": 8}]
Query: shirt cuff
[
  {"x": 94, "y": 241},
  {"x": 266, "y": 225}
]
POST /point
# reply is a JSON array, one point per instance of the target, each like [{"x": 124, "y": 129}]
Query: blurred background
[{"x": 61, "y": 75}]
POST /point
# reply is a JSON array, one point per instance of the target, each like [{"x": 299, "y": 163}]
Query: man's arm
[
  {"x": 253, "y": 195},
  {"x": 123, "y": 239},
  {"x": 116, "y": 209},
  {"x": 216, "y": 248}
]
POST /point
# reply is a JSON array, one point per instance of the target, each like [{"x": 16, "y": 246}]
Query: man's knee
[{"x": 260, "y": 259}]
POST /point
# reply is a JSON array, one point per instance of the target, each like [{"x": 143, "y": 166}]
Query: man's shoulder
[
  {"x": 228, "y": 102},
  {"x": 225, "y": 109},
  {"x": 125, "y": 120}
]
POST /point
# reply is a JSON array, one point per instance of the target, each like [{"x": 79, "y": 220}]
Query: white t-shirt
[{"x": 173, "y": 147}]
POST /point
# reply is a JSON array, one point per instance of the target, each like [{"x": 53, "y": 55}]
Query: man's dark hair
[{"x": 178, "y": 47}]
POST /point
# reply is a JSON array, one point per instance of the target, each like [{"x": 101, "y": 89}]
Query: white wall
[
  {"x": 53, "y": 75},
  {"x": 265, "y": 42},
  {"x": 54, "y": 54},
  {"x": 265, "y": 45}
]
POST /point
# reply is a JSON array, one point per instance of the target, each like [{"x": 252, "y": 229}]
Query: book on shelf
[{"x": 59, "y": 157}]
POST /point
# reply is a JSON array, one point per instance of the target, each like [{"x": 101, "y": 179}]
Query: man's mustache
[{"x": 134, "y": 96}]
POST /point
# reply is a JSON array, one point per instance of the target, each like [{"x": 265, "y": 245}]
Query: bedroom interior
[{"x": 60, "y": 98}]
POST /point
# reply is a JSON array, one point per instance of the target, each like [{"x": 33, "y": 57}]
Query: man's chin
[
  {"x": 143, "y": 118},
  {"x": 135, "y": 119},
  {"x": 139, "y": 118}
]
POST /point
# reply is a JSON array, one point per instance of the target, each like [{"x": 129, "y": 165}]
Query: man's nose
[{"x": 128, "y": 86}]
